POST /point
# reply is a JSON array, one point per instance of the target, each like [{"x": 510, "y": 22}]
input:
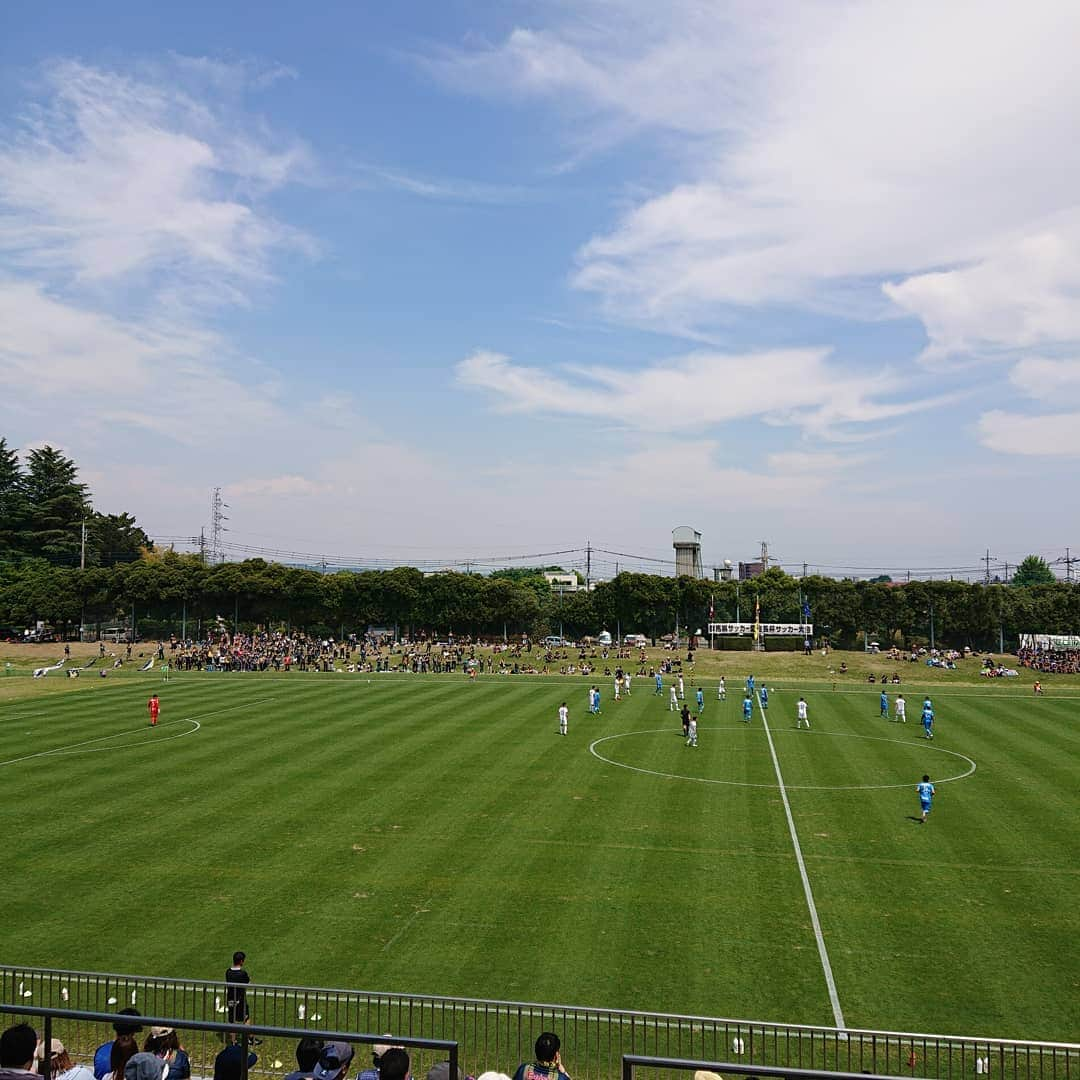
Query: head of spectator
[
  {"x": 394, "y": 1064},
  {"x": 143, "y": 1066},
  {"x": 124, "y": 1047},
  {"x": 127, "y": 1028},
  {"x": 547, "y": 1048},
  {"x": 228, "y": 1065},
  {"x": 59, "y": 1059},
  {"x": 308, "y": 1052},
  {"x": 333, "y": 1062},
  {"x": 161, "y": 1040},
  {"x": 17, "y": 1046},
  {"x": 442, "y": 1072},
  {"x": 491, "y": 1075}
]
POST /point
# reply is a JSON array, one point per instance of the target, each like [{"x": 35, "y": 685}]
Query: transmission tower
[{"x": 217, "y": 518}]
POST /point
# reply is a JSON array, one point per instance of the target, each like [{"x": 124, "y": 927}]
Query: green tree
[
  {"x": 115, "y": 538},
  {"x": 12, "y": 502},
  {"x": 57, "y": 505},
  {"x": 1034, "y": 570}
]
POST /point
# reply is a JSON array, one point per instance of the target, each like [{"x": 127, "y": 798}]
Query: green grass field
[{"x": 430, "y": 835}]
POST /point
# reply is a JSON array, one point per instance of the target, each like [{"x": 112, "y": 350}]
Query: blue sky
[{"x": 465, "y": 278}]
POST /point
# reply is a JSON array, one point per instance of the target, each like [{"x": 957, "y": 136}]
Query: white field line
[
  {"x": 408, "y": 922},
  {"x": 823, "y": 952},
  {"x": 75, "y": 747}
]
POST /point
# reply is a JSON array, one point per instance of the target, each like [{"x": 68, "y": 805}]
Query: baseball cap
[
  {"x": 157, "y": 1032},
  {"x": 333, "y": 1061},
  {"x": 55, "y": 1047}
]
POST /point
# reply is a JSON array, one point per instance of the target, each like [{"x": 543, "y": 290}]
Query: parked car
[
  {"x": 553, "y": 641},
  {"x": 639, "y": 640}
]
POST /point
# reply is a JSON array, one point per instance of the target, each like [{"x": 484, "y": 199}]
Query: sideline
[{"x": 823, "y": 952}]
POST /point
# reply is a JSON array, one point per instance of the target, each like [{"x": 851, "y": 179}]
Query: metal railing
[
  {"x": 271, "y": 1040},
  {"x": 631, "y": 1063},
  {"x": 498, "y": 1034}
]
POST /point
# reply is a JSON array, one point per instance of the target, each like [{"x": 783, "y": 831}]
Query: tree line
[
  {"x": 169, "y": 592},
  {"x": 51, "y": 573}
]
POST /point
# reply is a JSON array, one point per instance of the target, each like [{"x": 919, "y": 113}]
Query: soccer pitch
[{"x": 432, "y": 835}]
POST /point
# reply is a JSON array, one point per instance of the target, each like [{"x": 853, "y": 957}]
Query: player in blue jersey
[
  {"x": 884, "y": 705},
  {"x": 659, "y": 684},
  {"x": 926, "y": 797},
  {"x": 763, "y": 695},
  {"x": 750, "y": 685},
  {"x": 747, "y": 709},
  {"x": 700, "y": 696},
  {"x": 928, "y": 719}
]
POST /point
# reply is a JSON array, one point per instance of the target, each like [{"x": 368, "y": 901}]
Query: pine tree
[
  {"x": 57, "y": 505},
  {"x": 12, "y": 501}
]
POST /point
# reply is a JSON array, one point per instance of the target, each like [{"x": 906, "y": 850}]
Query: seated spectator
[
  {"x": 394, "y": 1064},
  {"x": 442, "y": 1072},
  {"x": 17, "y": 1046},
  {"x": 144, "y": 1066},
  {"x": 308, "y": 1052},
  {"x": 124, "y": 1048},
  {"x": 61, "y": 1067},
  {"x": 164, "y": 1043},
  {"x": 228, "y": 1065},
  {"x": 548, "y": 1063},
  {"x": 334, "y": 1061},
  {"x": 103, "y": 1053},
  {"x": 377, "y": 1051}
]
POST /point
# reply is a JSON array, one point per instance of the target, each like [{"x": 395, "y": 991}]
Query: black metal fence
[
  {"x": 499, "y": 1034},
  {"x": 209, "y": 1036},
  {"x": 636, "y": 1064}
]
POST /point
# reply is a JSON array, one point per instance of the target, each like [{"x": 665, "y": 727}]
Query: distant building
[
  {"x": 687, "y": 544},
  {"x": 749, "y": 570},
  {"x": 562, "y": 582}
]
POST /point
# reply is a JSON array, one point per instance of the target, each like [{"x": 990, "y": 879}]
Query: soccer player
[
  {"x": 901, "y": 709},
  {"x": 592, "y": 701},
  {"x": 691, "y": 738},
  {"x": 659, "y": 684},
  {"x": 926, "y": 796},
  {"x": 596, "y": 698},
  {"x": 801, "y": 716},
  {"x": 884, "y": 705},
  {"x": 749, "y": 685},
  {"x": 626, "y": 683},
  {"x": 154, "y": 707},
  {"x": 700, "y": 701},
  {"x": 685, "y": 714},
  {"x": 564, "y": 716},
  {"x": 763, "y": 694},
  {"x": 747, "y": 709},
  {"x": 682, "y": 689},
  {"x": 928, "y": 719},
  {"x": 673, "y": 701},
  {"x": 721, "y": 690},
  {"x": 618, "y": 685}
]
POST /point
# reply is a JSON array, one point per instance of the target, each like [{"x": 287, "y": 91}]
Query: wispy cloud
[
  {"x": 702, "y": 390},
  {"x": 445, "y": 189}
]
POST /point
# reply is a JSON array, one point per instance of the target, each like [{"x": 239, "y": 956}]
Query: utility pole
[
  {"x": 764, "y": 555},
  {"x": 202, "y": 545},
  {"x": 988, "y": 557},
  {"x": 588, "y": 564},
  {"x": 1069, "y": 560},
  {"x": 804, "y": 569}
]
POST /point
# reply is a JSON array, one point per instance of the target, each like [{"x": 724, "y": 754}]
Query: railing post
[{"x": 46, "y": 1053}]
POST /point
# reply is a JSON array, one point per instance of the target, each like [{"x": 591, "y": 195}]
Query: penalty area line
[{"x": 823, "y": 952}]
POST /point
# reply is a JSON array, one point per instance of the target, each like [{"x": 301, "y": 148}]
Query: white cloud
[
  {"x": 115, "y": 177},
  {"x": 698, "y": 391},
  {"x": 1050, "y": 435},
  {"x": 1056, "y": 382},
  {"x": 825, "y": 147}
]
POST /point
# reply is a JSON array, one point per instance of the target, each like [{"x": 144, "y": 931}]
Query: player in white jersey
[
  {"x": 564, "y": 716},
  {"x": 691, "y": 732},
  {"x": 721, "y": 690},
  {"x": 682, "y": 691},
  {"x": 801, "y": 716},
  {"x": 626, "y": 683},
  {"x": 901, "y": 709},
  {"x": 673, "y": 701},
  {"x": 618, "y": 687}
]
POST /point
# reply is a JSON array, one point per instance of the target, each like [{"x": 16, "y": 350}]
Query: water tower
[{"x": 687, "y": 544}]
